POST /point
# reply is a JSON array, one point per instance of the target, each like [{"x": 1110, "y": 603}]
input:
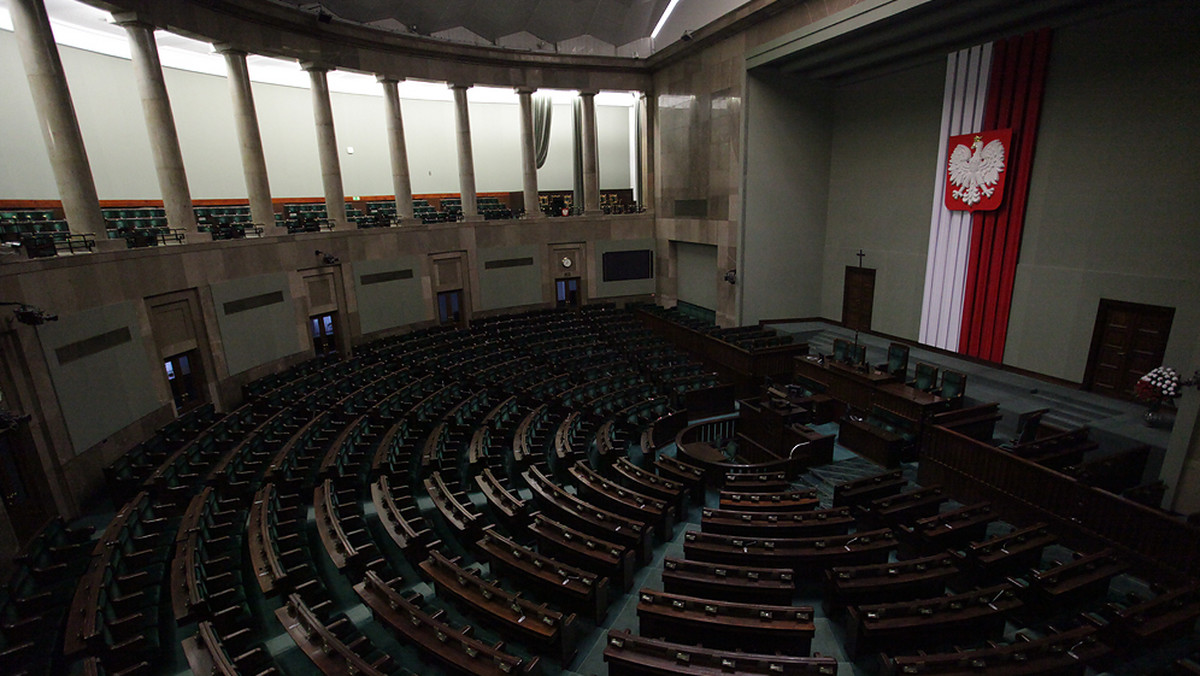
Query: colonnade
[{"x": 76, "y": 184}]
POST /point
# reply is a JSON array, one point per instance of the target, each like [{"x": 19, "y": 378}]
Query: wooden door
[
  {"x": 23, "y": 486},
  {"x": 1128, "y": 341},
  {"x": 858, "y": 298}
]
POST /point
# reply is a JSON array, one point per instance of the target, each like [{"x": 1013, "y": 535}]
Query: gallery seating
[{"x": 725, "y": 625}]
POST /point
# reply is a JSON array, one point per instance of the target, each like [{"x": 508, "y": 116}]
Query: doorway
[
  {"x": 184, "y": 379},
  {"x": 323, "y": 338},
  {"x": 858, "y": 298},
  {"x": 450, "y": 307},
  {"x": 22, "y": 481},
  {"x": 566, "y": 292},
  {"x": 1128, "y": 341}
]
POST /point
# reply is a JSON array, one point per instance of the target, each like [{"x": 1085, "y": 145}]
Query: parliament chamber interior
[{"x": 659, "y": 337}]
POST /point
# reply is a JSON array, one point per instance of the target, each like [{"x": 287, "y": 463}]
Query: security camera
[{"x": 32, "y": 316}]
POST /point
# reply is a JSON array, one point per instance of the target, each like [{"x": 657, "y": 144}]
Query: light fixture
[
  {"x": 731, "y": 276},
  {"x": 662, "y": 20},
  {"x": 328, "y": 258}
]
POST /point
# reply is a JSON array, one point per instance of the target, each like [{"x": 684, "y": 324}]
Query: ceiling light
[{"x": 663, "y": 19}]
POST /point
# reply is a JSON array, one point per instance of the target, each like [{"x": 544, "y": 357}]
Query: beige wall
[{"x": 115, "y": 289}]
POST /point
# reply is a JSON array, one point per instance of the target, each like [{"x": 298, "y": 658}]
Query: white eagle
[{"x": 978, "y": 172}]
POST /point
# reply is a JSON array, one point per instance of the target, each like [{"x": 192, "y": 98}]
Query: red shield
[{"x": 975, "y": 169}]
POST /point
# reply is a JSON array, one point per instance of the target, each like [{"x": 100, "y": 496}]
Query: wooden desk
[
  {"x": 589, "y": 553},
  {"x": 725, "y": 625},
  {"x": 626, "y": 502},
  {"x": 807, "y": 557},
  {"x": 888, "y": 582},
  {"x": 434, "y": 637},
  {"x": 927, "y": 623},
  {"x": 585, "y": 517},
  {"x": 1073, "y": 582},
  {"x": 774, "y": 586},
  {"x": 1011, "y": 553},
  {"x": 537, "y": 625},
  {"x": 322, "y": 646},
  {"x": 400, "y": 516},
  {"x": 787, "y": 501},
  {"x": 906, "y": 507},
  {"x": 683, "y": 472},
  {"x": 908, "y": 401},
  {"x": 1068, "y": 652},
  {"x": 864, "y": 490},
  {"x": 577, "y": 589},
  {"x": 630, "y": 655},
  {"x": 836, "y": 521}
]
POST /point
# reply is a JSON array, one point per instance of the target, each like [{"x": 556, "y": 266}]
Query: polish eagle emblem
[{"x": 975, "y": 172}]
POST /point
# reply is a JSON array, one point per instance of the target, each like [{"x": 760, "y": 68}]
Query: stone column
[
  {"x": 529, "y": 155},
  {"x": 466, "y": 157},
  {"x": 401, "y": 181},
  {"x": 160, "y": 123},
  {"x": 331, "y": 167},
  {"x": 56, "y": 112},
  {"x": 591, "y": 170},
  {"x": 254, "y": 162}
]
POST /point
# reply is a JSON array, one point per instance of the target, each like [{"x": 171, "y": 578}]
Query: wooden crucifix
[{"x": 860, "y": 255}]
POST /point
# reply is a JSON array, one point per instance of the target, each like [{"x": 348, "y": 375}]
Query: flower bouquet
[{"x": 1157, "y": 387}]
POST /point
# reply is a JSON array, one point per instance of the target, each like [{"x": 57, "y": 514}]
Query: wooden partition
[
  {"x": 745, "y": 368},
  {"x": 1090, "y": 517}
]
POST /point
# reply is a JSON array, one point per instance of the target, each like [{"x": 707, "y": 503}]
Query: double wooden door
[{"x": 1129, "y": 340}]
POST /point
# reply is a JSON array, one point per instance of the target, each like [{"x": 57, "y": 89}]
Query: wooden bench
[
  {"x": 773, "y": 586},
  {"x": 725, "y": 625},
  {"x": 836, "y": 521},
  {"x": 1169, "y": 615},
  {"x": 1114, "y": 473},
  {"x": 630, "y": 655},
  {"x": 576, "y": 589},
  {"x": 756, "y": 482},
  {"x": 209, "y": 653}
]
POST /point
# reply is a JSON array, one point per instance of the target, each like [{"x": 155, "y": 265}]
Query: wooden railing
[{"x": 1090, "y": 516}]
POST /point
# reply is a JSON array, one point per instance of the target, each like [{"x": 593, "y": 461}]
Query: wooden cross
[{"x": 860, "y": 255}]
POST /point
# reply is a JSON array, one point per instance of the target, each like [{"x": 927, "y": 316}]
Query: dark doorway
[
  {"x": 858, "y": 298},
  {"x": 184, "y": 379},
  {"x": 450, "y": 307},
  {"x": 1129, "y": 340},
  {"x": 567, "y": 292},
  {"x": 25, "y": 497},
  {"x": 322, "y": 334}
]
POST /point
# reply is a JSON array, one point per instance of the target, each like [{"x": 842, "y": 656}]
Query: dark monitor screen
[{"x": 621, "y": 266}]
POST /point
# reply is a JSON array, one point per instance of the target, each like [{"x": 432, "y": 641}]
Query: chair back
[
  {"x": 926, "y": 376},
  {"x": 841, "y": 349},
  {"x": 898, "y": 360},
  {"x": 954, "y": 384}
]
